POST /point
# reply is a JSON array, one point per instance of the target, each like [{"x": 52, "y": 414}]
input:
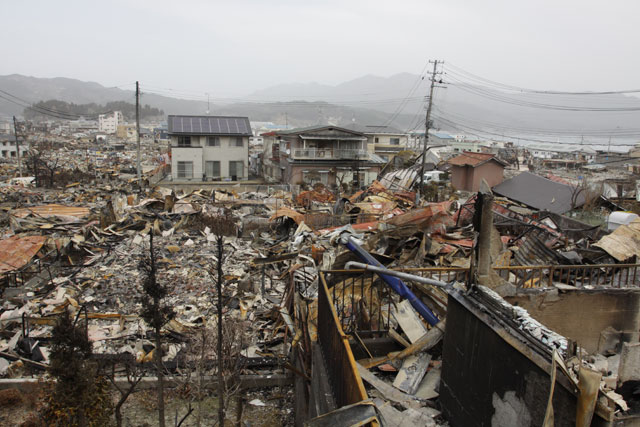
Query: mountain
[
  {"x": 30, "y": 90},
  {"x": 34, "y": 89},
  {"x": 462, "y": 107},
  {"x": 398, "y": 100}
]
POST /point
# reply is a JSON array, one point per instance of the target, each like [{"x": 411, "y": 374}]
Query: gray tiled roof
[{"x": 209, "y": 125}]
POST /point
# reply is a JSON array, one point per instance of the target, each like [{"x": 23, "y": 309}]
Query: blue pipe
[{"x": 396, "y": 284}]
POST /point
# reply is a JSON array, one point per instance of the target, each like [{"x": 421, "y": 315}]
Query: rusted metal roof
[
  {"x": 16, "y": 251},
  {"x": 51, "y": 210}
]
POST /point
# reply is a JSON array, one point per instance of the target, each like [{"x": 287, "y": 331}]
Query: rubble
[{"x": 79, "y": 249}]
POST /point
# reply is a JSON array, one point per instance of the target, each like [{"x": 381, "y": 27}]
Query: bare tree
[
  {"x": 221, "y": 226},
  {"x": 156, "y": 314},
  {"x": 134, "y": 375},
  {"x": 43, "y": 162}
]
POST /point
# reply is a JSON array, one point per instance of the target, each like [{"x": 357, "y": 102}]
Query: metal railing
[
  {"x": 342, "y": 372},
  {"x": 541, "y": 276},
  {"x": 359, "y": 295},
  {"x": 328, "y": 153}
]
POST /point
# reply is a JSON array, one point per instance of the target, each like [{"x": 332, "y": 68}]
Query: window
[
  {"x": 212, "y": 169},
  {"x": 238, "y": 142},
  {"x": 236, "y": 169},
  {"x": 394, "y": 141},
  {"x": 377, "y": 140},
  {"x": 184, "y": 141},
  {"x": 213, "y": 141},
  {"x": 185, "y": 169}
]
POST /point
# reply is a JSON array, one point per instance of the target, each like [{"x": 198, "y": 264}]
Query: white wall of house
[
  {"x": 374, "y": 140},
  {"x": 200, "y": 153},
  {"x": 8, "y": 149}
]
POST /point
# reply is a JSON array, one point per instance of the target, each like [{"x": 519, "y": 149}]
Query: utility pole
[
  {"x": 139, "y": 172},
  {"x": 15, "y": 130},
  {"x": 426, "y": 125}
]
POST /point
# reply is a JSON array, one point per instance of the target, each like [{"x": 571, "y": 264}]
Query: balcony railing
[{"x": 328, "y": 154}]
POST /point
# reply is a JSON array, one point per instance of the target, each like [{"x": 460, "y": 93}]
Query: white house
[
  {"x": 8, "y": 147},
  {"x": 209, "y": 148},
  {"x": 108, "y": 123},
  {"x": 543, "y": 150}
]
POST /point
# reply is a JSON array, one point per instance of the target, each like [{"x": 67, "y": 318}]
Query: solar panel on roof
[{"x": 209, "y": 125}]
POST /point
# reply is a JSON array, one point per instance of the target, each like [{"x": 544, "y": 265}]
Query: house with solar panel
[{"x": 209, "y": 148}]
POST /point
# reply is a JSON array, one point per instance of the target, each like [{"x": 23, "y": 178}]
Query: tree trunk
[
  {"x": 158, "y": 357},
  {"x": 220, "y": 242}
]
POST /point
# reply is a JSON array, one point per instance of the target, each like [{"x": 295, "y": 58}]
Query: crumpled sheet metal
[
  {"x": 289, "y": 213},
  {"x": 623, "y": 243},
  {"x": 16, "y": 251},
  {"x": 320, "y": 194},
  {"x": 433, "y": 217},
  {"x": 52, "y": 210}
]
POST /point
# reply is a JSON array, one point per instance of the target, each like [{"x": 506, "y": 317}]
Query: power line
[
  {"x": 45, "y": 110},
  {"x": 544, "y": 92}
]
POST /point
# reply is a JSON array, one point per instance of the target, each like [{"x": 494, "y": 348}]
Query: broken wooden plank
[
  {"x": 413, "y": 370},
  {"x": 424, "y": 343},
  {"x": 387, "y": 391},
  {"x": 399, "y": 338},
  {"x": 409, "y": 321}
]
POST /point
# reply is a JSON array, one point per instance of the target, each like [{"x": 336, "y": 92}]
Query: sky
[{"x": 232, "y": 48}]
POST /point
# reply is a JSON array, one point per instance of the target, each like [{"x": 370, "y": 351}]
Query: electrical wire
[{"x": 526, "y": 90}]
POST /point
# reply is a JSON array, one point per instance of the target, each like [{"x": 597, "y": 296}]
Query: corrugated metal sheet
[
  {"x": 16, "y": 251},
  {"x": 534, "y": 252},
  {"x": 51, "y": 210},
  {"x": 539, "y": 193},
  {"x": 623, "y": 243}
]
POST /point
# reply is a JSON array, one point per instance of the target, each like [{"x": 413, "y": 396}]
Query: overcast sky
[{"x": 231, "y": 48}]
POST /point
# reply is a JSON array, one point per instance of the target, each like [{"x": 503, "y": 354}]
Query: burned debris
[{"x": 394, "y": 302}]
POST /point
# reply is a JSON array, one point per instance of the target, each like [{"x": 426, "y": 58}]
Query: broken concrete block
[
  {"x": 609, "y": 341},
  {"x": 629, "y": 369}
]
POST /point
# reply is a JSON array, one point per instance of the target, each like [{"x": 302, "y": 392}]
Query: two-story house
[
  {"x": 327, "y": 154},
  {"x": 209, "y": 148},
  {"x": 385, "y": 141}
]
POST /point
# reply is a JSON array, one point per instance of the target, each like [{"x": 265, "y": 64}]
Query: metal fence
[
  {"x": 342, "y": 372},
  {"x": 541, "y": 276},
  {"x": 364, "y": 304}
]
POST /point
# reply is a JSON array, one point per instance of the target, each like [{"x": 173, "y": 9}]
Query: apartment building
[{"x": 108, "y": 123}]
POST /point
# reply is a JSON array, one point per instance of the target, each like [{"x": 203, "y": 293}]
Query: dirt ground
[{"x": 270, "y": 408}]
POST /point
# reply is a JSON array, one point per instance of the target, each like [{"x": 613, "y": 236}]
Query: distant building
[
  {"x": 326, "y": 154},
  {"x": 441, "y": 138},
  {"x": 108, "y": 123},
  {"x": 385, "y": 141},
  {"x": 8, "y": 147},
  {"x": 469, "y": 169},
  {"x": 580, "y": 153},
  {"x": 209, "y": 148},
  {"x": 126, "y": 132}
]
